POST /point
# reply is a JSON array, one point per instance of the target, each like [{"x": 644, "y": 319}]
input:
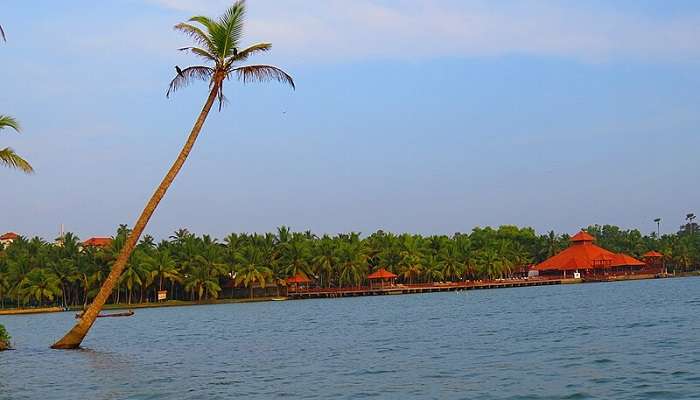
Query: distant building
[
  {"x": 583, "y": 258},
  {"x": 98, "y": 242},
  {"x": 655, "y": 260},
  {"x": 8, "y": 238}
]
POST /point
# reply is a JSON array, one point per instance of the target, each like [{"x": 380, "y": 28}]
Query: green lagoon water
[{"x": 631, "y": 340}]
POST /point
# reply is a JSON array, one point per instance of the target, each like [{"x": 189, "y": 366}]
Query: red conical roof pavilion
[
  {"x": 583, "y": 254},
  {"x": 582, "y": 237},
  {"x": 652, "y": 254},
  {"x": 299, "y": 278},
  {"x": 381, "y": 274}
]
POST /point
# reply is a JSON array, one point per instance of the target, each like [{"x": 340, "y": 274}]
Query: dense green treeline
[{"x": 34, "y": 272}]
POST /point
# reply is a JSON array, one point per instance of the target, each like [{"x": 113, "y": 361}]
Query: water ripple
[{"x": 543, "y": 343}]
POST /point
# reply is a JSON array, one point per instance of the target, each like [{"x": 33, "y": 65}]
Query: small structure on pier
[
  {"x": 381, "y": 276},
  {"x": 655, "y": 260},
  {"x": 583, "y": 258},
  {"x": 297, "y": 280}
]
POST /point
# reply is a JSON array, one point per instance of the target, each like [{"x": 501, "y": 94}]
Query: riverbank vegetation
[
  {"x": 34, "y": 272},
  {"x": 4, "y": 338}
]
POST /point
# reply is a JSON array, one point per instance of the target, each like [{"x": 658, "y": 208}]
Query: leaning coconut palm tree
[
  {"x": 8, "y": 157},
  {"x": 217, "y": 43}
]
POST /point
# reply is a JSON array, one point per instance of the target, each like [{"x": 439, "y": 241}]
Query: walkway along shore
[
  {"x": 422, "y": 288},
  {"x": 453, "y": 286}
]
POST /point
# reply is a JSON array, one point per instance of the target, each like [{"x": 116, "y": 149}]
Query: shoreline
[
  {"x": 302, "y": 295},
  {"x": 121, "y": 306}
]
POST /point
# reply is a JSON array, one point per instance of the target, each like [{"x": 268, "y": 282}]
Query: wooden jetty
[{"x": 395, "y": 289}]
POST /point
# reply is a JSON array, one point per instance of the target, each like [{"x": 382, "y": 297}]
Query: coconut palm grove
[{"x": 67, "y": 272}]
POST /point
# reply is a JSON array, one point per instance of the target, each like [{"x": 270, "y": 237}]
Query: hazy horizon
[{"x": 409, "y": 116}]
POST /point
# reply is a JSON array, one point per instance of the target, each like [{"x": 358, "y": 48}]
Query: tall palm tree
[
  {"x": 451, "y": 267},
  {"x": 163, "y": 267},
  {"x": 352, "y": 264},
  {"x": 41, "y": 283},
  {"x": 218, "y": 42},
  {"x": 132, "y": 276},
  {"x": 432, "y": 269},
  {"x": 251, "y": 269},
  {"x": 295, "y": 255},
  {"x": 4, "y": 285},
  {"x": 325, "y": 260},
  {"x": 8, "y": 157},
  {"x": 202, "y": 282}
]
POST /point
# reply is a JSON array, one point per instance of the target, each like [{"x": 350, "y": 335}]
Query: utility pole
[
  {"x": 658, "y": 228},
  {"x": 690, "y": 217}
]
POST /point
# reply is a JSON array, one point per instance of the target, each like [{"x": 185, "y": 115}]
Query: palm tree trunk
[
  {"x": 63, "y": 291},
  {"x": 86, "y": 292},
  {"x": 75, "y": 336}
]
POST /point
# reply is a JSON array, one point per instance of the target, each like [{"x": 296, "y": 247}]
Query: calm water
[{"x": 633, "y": 340}]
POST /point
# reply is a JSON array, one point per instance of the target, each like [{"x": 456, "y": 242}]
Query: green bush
[{"x": 4, "y": 338}]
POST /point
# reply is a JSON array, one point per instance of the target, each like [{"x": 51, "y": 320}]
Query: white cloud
[{"x": 342, "y": 30}]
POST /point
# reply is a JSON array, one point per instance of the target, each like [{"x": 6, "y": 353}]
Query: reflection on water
[{"x": 632, "y": 340}]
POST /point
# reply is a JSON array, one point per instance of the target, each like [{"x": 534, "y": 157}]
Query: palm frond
[
  {"x": 208, "y": 23},
  {"x": 198, "y": 72},
  {"x": 8, "y": 122},
  {"x": 232, "y": 24},
  {"x": 200, "y": 53},
  {"x": 198, "y": 35},
  {"x": 215, "y": 32},
  {"x": 10, "y": 159},
  {"x": 256, "y": 48},
  {"x": 263, "y": 73}
]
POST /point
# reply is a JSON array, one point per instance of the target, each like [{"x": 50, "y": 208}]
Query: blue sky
[{"x": 409, "y": 116}]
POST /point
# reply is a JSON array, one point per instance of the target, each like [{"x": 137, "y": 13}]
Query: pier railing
[{"x": 425, "y": 285}]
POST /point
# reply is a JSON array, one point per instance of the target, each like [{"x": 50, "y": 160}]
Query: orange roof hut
[
  {"x": 655, "y": 260},
  {"x": 652, "y": 254},
  {"x": 298, "y": 278},
  {"x": 381, "y": 275},
  {"x": 584, "y": 257},
  {"x": 294, "y": 282}
]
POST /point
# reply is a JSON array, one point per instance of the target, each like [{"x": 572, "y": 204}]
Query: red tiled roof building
[
  {"x": 9, "y": 236},
  {"x": 586, "y": 258},
  {"x": 97, "y": 242}
]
